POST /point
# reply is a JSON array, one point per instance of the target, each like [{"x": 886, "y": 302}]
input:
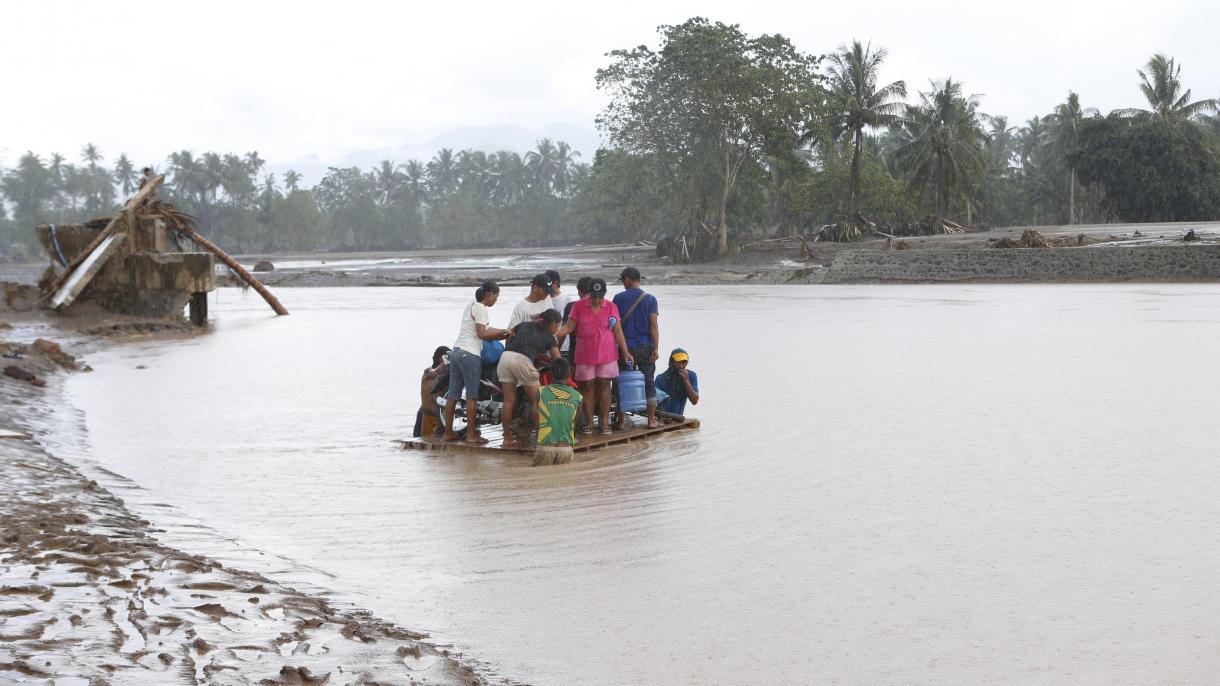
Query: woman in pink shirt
[{"x": 599, "y": 337}]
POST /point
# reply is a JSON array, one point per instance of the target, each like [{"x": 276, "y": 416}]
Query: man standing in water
[
  {"x": 534, "y": 304},
  {"x": 642, "y": 333},
  {"x": 558, "y": 404},
  {"x": 465, "y": 361}
]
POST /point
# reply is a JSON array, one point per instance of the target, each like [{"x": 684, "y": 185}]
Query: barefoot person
[
  {"x": 465, "y": 361},
  {"x": 598, "y": 337},
  {"x": 428, "y": 419},
  {"x": 642, "y": 333},
  {"x": 516, "y": 368},
  {"x": 558, "y": 404}
]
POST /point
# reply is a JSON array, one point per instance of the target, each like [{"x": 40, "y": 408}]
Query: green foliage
[
  {"x": 1149, "y": 170},
  {"x": 710, "y": 100}
]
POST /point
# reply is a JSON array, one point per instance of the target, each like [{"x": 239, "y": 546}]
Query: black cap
[
  {"x": 541, "y": 280},
  {"x": 630, "y": 273},
  {"x": 490, "y": 286},
  {"x": 597, "y": 287}
]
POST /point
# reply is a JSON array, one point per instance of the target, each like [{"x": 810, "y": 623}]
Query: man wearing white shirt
[{"x": 537, "y": 302}]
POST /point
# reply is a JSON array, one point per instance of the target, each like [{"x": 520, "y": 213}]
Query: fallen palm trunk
[{"x": 231, "y": 264}]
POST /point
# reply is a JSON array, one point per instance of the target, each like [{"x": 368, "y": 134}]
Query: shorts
[
  {"x": 464, "y": 370},
  {"x": 552, "y": 454},
  {"x": 589, "y": 372},
  {"x": 516, "y": 369},
  {"x": 431, "y": 425}
]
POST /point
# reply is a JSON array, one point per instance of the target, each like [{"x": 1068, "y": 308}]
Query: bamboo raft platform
[{"x": 584, "y": 444}]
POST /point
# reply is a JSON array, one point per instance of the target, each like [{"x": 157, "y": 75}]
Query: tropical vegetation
[{"x": 714, "y": 137}]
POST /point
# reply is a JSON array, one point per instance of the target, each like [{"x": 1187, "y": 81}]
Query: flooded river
[{"x": 921, "y": 484}]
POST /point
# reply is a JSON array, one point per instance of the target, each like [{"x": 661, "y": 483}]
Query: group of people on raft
[{"x": 588, "y": 340}]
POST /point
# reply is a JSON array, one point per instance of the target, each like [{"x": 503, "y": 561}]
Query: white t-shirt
[
  {"x": 526, "y": 310},
  {"x": 468, "y": 335}
]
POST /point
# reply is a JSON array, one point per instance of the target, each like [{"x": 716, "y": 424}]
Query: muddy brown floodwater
[{"x": 919, "y": 484}]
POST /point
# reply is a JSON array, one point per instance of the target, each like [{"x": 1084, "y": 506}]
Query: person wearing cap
[
  {"x": 516, "y": 368},
  {"x": 534, "y": 304},
  {"x": 680, "y": 383},
  {"x": 559, "y": 299},
  {"x": 642, "y": 333},
  {"x": 465, "y": 361},
  {"x": 428, "y": 419},
  {"x": 599, "y": 338}
]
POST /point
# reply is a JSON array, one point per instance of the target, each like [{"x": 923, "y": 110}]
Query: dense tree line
[{"x": 713, "y": 135}]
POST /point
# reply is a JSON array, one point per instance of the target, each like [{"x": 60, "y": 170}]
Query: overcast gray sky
[{"x": 320, "y": 82}]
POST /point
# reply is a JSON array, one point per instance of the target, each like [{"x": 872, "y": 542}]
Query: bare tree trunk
[
  {"x": 857, "y": 147},
  {"x": 1072, "y": 199}
]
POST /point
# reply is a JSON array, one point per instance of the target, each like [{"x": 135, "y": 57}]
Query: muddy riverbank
[{"x": 88, "y": 594}]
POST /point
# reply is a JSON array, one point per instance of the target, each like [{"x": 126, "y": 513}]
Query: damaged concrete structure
[
  {"x": 147, "y": 274},
  {"x": 125, "y": 263}
]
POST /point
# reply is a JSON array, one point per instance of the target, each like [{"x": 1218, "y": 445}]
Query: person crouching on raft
[
  {"x": 465, "y": 361},
  {"x": 558, "y": 404},
  {"x": 680, "y": 383},
  {"x": 598, "y": 333},
  {"x": 516, "y": 368}
]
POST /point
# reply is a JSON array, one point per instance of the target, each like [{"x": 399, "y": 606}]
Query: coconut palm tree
[
  {"x": 387, "y": 178},
  {"x": 857, "y": 103},
  {"x": 542, "y": 163},
  {"x": 1162, "y": 87},
  {"x": 941, "y": 148},
  {"x": 291, "y": 179},
  {"x": 1064, "y": 132},
  {"x": 125, "y": 175}
]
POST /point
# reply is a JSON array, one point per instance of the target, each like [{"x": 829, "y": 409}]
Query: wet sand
[{"x": 89, "y": 596}]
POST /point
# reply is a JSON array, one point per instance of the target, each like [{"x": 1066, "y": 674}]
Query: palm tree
[
  {"x": 942, "y": 146},
  {"x": 1064, "y": 132},
  {"x": 1162, "y": 87},
  {"x": 442, "y": 174},
  {"x": 857, "y": 102},
  {"x": 542, "y": 163},
  {"x": 291, "y": 179},
  {"x": 125, "y": 175},
  {"x": 565, "y": 161},
  {"x": 388, "y": 178},
  {"x": 253, "y": 162}
]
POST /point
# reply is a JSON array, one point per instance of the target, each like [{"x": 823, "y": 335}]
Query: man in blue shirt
[
  {"x": 679, "y": 382},
  {"x": 638, "y": 313}
]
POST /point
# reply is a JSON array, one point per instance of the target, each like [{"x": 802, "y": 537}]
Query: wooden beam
[
  {"x": 237, "y": 269},
  {"x": 89, "y": 268},
  {"x": 124, "y": 217}
]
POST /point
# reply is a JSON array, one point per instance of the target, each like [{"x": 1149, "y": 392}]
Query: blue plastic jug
[{"x": 631, "y": 391}]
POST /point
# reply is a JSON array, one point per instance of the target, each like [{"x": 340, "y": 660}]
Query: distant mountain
[{"x": 489, "y": 138}]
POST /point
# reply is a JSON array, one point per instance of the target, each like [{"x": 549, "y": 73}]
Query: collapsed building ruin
[{"x": 135, "y": 263}]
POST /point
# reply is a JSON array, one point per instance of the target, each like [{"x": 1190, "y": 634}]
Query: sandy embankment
[
  {"x": 88, "y": 596},
  {"x": 763, "y": 262}
]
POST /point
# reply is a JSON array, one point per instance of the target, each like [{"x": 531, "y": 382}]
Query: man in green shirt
[{"x": 558, "y": 404}]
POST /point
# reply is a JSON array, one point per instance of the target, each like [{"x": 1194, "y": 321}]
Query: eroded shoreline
[{"x": 88, "y": 595}]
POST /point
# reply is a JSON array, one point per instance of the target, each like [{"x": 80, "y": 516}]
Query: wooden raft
[{"x": 495, "y": 438}]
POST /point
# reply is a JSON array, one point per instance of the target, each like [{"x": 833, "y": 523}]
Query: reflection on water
[{"x": 940, "y": 484}]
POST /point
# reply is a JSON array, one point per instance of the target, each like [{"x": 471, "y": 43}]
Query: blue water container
[{"x": 631, "y": 391}]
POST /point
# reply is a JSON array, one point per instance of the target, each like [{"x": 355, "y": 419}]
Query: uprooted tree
[{"x": 710, "y": 100}]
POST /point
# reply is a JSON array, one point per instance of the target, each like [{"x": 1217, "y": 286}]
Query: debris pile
[{"x": 1034, "y": 239}]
